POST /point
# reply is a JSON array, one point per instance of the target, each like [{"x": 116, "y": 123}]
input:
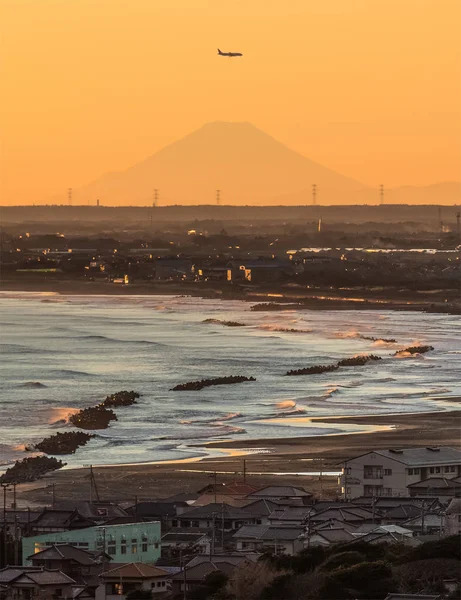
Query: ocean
[{"x": 61, "y": 353}]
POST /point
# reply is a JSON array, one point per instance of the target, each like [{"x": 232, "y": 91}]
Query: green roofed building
[{"x": 127, "y": 543}]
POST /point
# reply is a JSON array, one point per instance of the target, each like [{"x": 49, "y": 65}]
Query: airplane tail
[{"x": 219, "y": 51}]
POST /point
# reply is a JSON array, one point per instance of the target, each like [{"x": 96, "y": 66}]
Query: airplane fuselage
[{"x": 229, "y": 54}]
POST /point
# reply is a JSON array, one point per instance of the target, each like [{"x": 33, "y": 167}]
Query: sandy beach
[{"x": 283, "y": 460}]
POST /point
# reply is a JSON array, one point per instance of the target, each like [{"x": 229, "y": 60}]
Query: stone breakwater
[
  {"x": 62, "y": 443},
  {"x": 415, "y": 350},
  {"x": 225, "y": 323},
  {"x": 31, "y": 469},
  {"x": 355, "y": 361},
  {"x": 94, "y": 417},
  {"x": 199, "y": 385}
]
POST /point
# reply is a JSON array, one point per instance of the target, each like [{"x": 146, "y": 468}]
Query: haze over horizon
[{"x": 371, "y": 91}]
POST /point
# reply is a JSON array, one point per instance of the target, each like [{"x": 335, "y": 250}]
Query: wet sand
[
  {"x": 445, "y": 301},
  {"x": 284, "y": 460}
]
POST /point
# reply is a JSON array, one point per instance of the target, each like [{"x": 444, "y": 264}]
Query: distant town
[{"x": 295, "y": 254}]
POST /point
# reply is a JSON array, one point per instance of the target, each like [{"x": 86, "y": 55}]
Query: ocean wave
[
  {"x": 279, "y": 329},
  {"x": 286, "y": 404},
  {"x": 212, "y": 421},
  {"x": 72, "y": 373},
  {"x": 32, "y": 385},
  {"x": 219, "y": 431}
]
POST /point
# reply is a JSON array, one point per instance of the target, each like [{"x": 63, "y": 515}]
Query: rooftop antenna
[
  {"x": 381, "y": 194},
  {"x": 314, "y": 194},
  {"x": 218, "y": 197},
  {"x": 69, "y": 196}
]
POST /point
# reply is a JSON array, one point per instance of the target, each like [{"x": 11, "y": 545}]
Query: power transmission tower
[
  {"x": 314, "y": 194},
  {"x": 69, "y": 196},
  {"x": 381, "y": 194},
  {"x": 218, "y": 197},
  {"x": 155, "y": 198}
]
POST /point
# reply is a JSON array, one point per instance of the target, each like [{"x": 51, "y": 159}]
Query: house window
[
  {"x": 111, "y": 548},
  {"x": 437, "y": 469},
  {"x": 431, "y": 470},
  {"x": 156, "y": 545},
  {"x": 144, "y": 547},
  {"x": 453, "y": 469},
  {"x": 387, "y": 471},
  {"x": 134, "y": 546},
  {"x": 174, "y": 523},
  {"x": 195, "y": 524},
  {"x": 388, "y": 491},
  {"x": 123, "y": 547},
  {"x": 413, "y": 471}
]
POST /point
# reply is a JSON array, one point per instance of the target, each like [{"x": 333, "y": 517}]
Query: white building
[{"x": 389, "y": 472}]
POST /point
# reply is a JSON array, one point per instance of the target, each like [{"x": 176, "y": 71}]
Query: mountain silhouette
[{"x": 246, "y": 164}]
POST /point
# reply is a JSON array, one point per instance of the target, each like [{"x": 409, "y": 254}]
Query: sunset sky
[{"x": 370, "y": 88}]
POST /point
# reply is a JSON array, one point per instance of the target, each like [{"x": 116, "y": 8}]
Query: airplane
[{"x": 229, "y": 54}]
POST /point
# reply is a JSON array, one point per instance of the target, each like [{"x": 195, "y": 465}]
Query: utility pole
[
  {"x": 53, "y": 495},
  {"x": 222, "y": 528},
  {"x": 214, "y": 486},
  {"x": 218, "y": 197},
  {"x": 314, "y": 194},
  {"x": 244, "y": 471},
  {"x": 5, "y": 487},
  {"x": 182, "y": 563},
  {"x": 381, "y": 194},
  {"x": 321, "y": 477},
  {"x": 13, "y": 506},
  {"x": 136, "y": 509},
  {"x": 16, "y": 545}
]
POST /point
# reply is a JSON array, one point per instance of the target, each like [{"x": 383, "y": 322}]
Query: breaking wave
[{"x": 32, "y": 385}]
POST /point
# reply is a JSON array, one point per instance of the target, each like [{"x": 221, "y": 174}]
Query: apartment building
[{"x": 390, "y": 472}]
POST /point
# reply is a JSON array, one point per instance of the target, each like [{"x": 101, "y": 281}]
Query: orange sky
[{"x": 370, "y": 88}]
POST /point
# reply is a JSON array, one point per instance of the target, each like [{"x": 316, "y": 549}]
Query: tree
[{"x": 139, "y": 595}]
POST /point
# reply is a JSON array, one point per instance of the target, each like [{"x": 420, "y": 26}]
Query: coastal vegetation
[
  {"x": 199, "y": 385},
  {"x": 30, "y": 469},
  {"x": 62, "y": 443}
]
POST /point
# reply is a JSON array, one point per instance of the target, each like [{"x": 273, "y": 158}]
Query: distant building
[
  {"x": 118, "y": 582},
  {"x": 391, "y": 472},
  {"x": 23, "y": 583},
  {"x": 134, "y": 542}
]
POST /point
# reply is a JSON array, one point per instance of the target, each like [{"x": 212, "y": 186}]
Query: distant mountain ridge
[{"x": 249, "y": 167}]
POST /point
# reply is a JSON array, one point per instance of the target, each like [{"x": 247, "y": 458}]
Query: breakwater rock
[
  {"x": 30, "y": 469},
  {"x": 122, "y": 398},
  {"x": 63, "y": 443},
  {"x": 415, "y": 350},
  {"x": 275, "y": 306},
  {"x": 94, "y": 417},
  {"x": 199, "y": 385},
  {"x": 375, "y": 339},
  {"x": 225, "y": 323},
  {"x": 358, "y": 361},
  {"x": 355, "y": 361},
  {"x": 314, "y": 370}
]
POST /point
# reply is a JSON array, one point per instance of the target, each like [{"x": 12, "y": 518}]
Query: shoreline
[
  {"x": 288, "y": 460},
  {"x": 308, "y": 299}
]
